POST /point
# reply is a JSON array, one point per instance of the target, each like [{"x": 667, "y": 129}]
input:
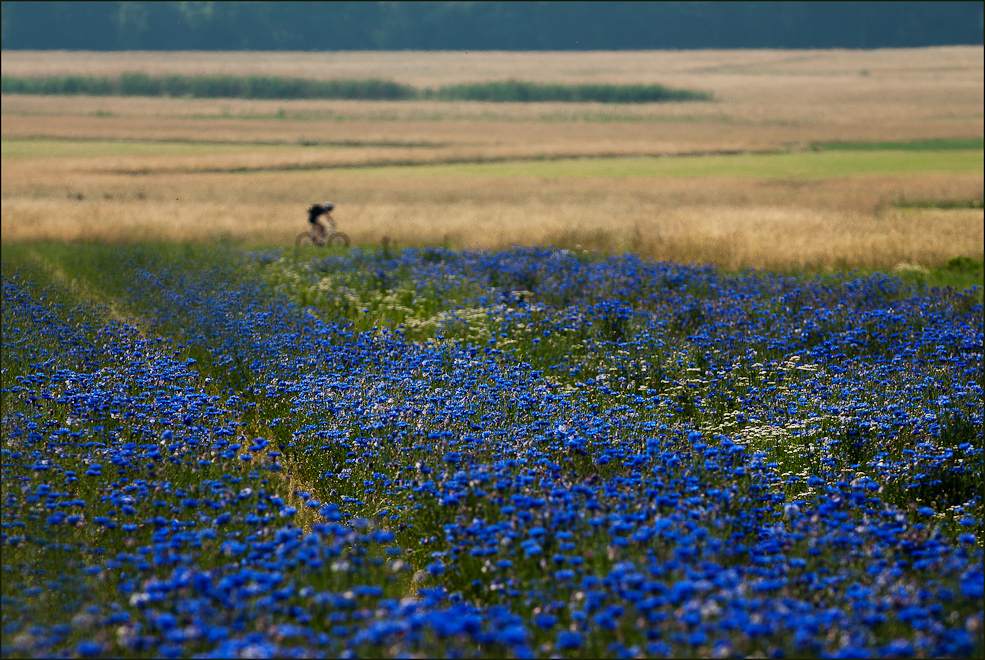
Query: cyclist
[{"x": 318, "y": 210}]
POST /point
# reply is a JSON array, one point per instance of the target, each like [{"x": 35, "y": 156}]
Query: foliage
[
  {"x": 523, "y": 26},
  {"x": 219, "y": 86},
  {"x": 525, "y": 92},
  {"x": 275, "y": 87},
  {"x": 529, "y": 452}
]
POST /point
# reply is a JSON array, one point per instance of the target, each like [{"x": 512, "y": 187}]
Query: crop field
[
  {"x": 803, "y": 160},
  {"x": 681, "y": 379}
]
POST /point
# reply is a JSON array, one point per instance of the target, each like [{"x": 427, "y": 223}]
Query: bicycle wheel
[
  {"x": 338, "y": 239},
  {"x": 303, "y": 239}
]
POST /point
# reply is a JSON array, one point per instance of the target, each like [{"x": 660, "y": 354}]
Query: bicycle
[{"x": 331, "y": 238}]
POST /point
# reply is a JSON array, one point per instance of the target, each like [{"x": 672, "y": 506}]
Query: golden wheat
[{"x": 730, "y": 222}]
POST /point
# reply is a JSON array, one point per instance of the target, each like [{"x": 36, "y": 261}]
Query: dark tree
[{"x": 486, "y": 25}]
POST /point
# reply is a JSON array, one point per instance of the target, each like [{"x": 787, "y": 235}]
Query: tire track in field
[
  {"x": 409, "y": 144},
  {"x": 83, "y": 290},
  {"x": 413, "y": 162}
]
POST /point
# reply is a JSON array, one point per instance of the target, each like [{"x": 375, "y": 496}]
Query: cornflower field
[{"x": 534, "y": 452}]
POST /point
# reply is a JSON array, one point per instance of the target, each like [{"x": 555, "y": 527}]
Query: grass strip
[
  {"x": 939, "y": 204},
  {"x": 217, "y": 86},
  {"x": 277, "y": 87},
  {"x": 518, "y": 91},
  {"x": 937, "y": 144}
]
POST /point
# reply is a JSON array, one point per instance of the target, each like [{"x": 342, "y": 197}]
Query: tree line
[{"x": 609, "y": 25}]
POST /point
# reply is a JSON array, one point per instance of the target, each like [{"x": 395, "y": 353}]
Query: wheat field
[
  {"x": 123, "y": 169},
  {"x": 448, "y": 67},
  {"x": 730, "y": 222}
]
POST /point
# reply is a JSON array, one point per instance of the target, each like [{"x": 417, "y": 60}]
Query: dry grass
[{"x": 767, "y": 100}]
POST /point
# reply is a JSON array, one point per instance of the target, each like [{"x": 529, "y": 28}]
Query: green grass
[
  {"x": 958, "y": 273},
  {"x": 939, "y": 204},
  {"x": 801, "y": 165},
  {"x": 939, "y": 144}
]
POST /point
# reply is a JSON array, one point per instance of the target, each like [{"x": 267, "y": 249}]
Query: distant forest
[{"x": 608, "y": 25}]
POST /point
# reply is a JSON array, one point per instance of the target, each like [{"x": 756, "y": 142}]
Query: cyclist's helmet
[{"x": 328, "y": 206}]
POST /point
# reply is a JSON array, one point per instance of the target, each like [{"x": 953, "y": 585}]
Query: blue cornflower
[
  {"x": 89, "y": 649},
  {"x": 568, "y": 640}
]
